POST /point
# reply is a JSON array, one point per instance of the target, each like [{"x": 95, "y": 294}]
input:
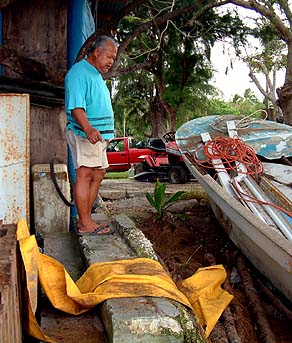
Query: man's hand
[{"x": 93, "y": 135}]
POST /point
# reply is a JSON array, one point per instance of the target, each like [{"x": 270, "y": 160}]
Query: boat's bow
[{"x": 254, "y": 221}]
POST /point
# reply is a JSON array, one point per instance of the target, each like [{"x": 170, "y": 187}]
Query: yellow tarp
[{"x": 119, "y": 279}]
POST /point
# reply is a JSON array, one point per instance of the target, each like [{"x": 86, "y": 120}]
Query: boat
[{"x": 251, "y": 198}]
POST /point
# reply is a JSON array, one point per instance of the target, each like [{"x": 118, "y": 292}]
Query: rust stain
[
  {"x": 13, "y": 212},
  {"x": 223, "y": 220},
  {"x": 10, "y": 143},
  {"x": 15, "y": 154}
]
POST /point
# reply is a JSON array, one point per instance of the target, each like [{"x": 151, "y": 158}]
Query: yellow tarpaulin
[{"x": 138, "y": 277}]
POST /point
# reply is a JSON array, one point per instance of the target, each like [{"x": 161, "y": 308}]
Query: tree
[
  {"x": 176, "y": 54},
  {"x": 279, "y": 15},
  {"x": 267, "y": 62},
  {"x": 131, "y": 102},
  {"x": 247, "y": 104}
]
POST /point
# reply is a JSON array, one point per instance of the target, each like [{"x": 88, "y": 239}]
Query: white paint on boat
[{"x": 264, "y": 245}]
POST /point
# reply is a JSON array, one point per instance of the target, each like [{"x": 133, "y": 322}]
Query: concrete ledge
[
  {"x": 141, "y": 319},
  {"x": 134, "y": 237}
]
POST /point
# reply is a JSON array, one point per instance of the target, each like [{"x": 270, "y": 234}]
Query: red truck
[{"x": 124, "y": 151}]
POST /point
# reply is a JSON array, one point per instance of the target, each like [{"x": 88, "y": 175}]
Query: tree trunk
[
  {"x": 285, "y": 102},
  {"x": 157, "y": 118},
  {"x": 285, "y": 93},
  {"x": 166, "y": 106}
]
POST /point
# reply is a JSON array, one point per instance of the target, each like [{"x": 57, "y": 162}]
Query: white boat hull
[{"x": 266, "y": 248}]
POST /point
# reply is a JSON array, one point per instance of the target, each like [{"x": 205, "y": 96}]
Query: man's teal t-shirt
[{"x": 85, "y": 88}]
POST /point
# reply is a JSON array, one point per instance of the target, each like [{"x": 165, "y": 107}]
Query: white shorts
[{"x": 86, "y": 154}]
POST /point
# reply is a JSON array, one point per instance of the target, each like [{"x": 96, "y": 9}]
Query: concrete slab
[
  {"x": 141, "y": 319},
  {"x": 137, "y": 320},
  {"x": 62, "y": 327}
]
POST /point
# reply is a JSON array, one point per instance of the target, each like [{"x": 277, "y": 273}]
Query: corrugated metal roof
[{"x": 105, "y": 10}]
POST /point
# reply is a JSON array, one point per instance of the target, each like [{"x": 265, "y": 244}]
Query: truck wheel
[
  {"x": 140, "y": 168},
  {"x": 177, "y": 174}
]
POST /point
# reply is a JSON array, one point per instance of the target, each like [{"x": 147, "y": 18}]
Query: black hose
[{"x": 54, "y": 178}]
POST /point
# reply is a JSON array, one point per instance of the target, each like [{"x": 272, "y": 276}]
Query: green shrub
[{"x": 158, "y": 200}]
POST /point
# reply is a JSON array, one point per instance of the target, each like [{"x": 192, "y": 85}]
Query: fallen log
[
  {"x": 227, "y": 316},
  {"x": 265, "y": 332},
  {"x": 218, "y": 334},
  {"x": 274, "y": 300}
]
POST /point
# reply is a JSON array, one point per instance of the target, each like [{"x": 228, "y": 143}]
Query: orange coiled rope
[{"x": 232, "y": 152}]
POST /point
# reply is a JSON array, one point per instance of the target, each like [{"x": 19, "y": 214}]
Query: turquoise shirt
[{"x": 85, "y": 88}]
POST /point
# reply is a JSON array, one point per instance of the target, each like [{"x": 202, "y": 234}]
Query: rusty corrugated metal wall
[
  {"x": 38, "y": 29},
  {"x": 14, "y": 157}
]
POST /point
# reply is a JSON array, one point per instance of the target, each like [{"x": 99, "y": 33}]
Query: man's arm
[{"x": 92, "y": 134}]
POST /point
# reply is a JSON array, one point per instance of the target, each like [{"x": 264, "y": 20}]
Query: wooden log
[
  {"x": 266, "y": 334},
  {"x": 274, "y": 300},
  {"x": 227, "y": 316}
]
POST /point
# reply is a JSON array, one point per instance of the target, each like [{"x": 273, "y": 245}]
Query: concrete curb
[{"x": 141, "y": 319}]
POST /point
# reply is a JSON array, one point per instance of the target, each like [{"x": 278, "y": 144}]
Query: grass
[{"x": 116, "y": 175}]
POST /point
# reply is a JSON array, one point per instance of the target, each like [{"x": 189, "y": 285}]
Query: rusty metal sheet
[{"x": 14, "y": 157}]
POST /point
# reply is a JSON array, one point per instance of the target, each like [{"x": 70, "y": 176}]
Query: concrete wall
[{"x": 47, "y": 137}]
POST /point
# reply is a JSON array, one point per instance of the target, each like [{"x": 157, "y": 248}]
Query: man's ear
[{"x": 96, "y": 52}]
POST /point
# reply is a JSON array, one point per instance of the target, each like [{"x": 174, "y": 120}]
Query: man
[{"x": 90, "y": 126}]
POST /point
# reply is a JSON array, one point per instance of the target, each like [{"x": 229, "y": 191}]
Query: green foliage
[
  {"x": 176, "y": 86},
  {"x": 220, "y": 107},
  {"x": 131, "y": 105},
  {"x": 274, "y": 52},
  {"x": 158, "y": 200},
  {"x": 116, "y": 175},
  {"x": 241, "y": 104},
  {"x": 248, "y": 103}
]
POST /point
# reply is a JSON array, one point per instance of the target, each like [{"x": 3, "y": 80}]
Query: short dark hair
[{"x": 100, "y": 42}]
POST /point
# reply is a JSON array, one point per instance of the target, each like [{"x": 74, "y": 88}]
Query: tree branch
[
  {"x": 142, "y": 28},
  {"x": 284, "y": 32},
  {"x": 286, "y": 9},
  {"x": 107, "y": 29},
  {"x": 162, "y": 19},
  {"x": 138, "y": 66},
  {"x": 205, "y": 9},
  {"x": 257, "y": 83}
]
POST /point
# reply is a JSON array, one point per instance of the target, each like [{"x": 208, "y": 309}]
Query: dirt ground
[{"x": 189, "y": 237}]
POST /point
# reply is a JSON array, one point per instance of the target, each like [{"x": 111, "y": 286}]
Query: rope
[
  {"x": 240, "y": 121},
  {"x": 233, "y": 152},
  {"x": 261, "y": 202}
]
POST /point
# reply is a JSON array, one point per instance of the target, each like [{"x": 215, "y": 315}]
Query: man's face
[{"x": 105, "y": 56}]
